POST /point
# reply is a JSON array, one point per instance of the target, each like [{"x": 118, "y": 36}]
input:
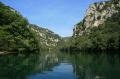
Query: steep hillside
[
  {"x": 96, "y": 15},
  {"x": 100, "y": 29},
  {"x": 14, "y": 33},
  {"x": 46, "y": 38}
]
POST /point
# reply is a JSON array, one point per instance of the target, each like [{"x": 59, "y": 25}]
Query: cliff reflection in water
[{"x": 54, "y": 65}]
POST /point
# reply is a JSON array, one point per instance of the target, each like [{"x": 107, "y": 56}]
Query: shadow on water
[
  {"x": 60, "y": 65},
  {"x": 96, "y": 66},
  {"x": 20, "y": 65}
]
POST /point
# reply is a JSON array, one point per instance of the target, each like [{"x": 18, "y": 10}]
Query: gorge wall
[
  {"x": 45, "y": 37},
  {"x": 96, "y": 15},
  {"x": 100, "y": 29}
]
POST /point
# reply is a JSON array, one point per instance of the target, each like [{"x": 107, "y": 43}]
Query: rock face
[
  {"x": 45, "y": 37},
  {"x": 96, "y": 15}
]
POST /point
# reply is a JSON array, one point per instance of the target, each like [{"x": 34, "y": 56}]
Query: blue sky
[{"x": 60, "y": 16}]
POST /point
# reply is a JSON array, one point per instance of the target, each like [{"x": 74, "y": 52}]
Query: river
[{"x": 60, "y": 65}]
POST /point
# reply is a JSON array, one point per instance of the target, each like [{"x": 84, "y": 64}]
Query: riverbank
[{"x": 5, "y": 52}]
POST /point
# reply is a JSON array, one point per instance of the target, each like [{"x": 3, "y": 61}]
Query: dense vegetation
[
  {"x": 14, "y": 32},
  {"x": 104, "y": 37},
  {"x": 46, "y": 39},
  {"x": 17, "y": 34}
]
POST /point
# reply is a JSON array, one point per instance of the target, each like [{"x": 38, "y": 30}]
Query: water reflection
[
  {"x": 63, "y": 71},
  {"x": 19, "y": 66},
  {"x": 97, "y": 66},
  {"x": 55, "y": 65}
]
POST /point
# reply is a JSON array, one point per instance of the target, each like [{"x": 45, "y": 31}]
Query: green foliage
[
  {"x": 104, "y": 37},
  {"x": 46, "y": 39},
  {"x": 14, "y": 32},
  {"x": 80, "y": 25}
]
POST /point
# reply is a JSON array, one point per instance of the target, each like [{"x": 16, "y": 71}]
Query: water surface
[{"x": 59, "y": 65}]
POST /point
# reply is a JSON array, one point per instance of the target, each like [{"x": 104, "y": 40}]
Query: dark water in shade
[{"x": 54, "y": 65}]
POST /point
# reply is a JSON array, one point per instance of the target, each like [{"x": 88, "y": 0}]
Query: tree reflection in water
[
  {"x": 21, "y": 65},
  {"x": 81, "y": 65},
  {"x": 96, "y": 66}
]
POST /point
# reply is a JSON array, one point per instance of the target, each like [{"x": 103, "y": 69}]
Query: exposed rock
[
  {"x": 45, "y": 37},
  {"x": 96, "y": 15}
]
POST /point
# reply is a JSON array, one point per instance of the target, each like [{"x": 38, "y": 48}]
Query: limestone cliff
[
  {"x": 96, "y": 15},
  {"x": 46, "y": 38}
]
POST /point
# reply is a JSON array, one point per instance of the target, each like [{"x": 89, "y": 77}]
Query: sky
[{"x": 60, "y": 16}]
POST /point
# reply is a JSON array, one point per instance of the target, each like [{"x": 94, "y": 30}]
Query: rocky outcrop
[
  {"x": 96, "y": 15},
  {"x": 45, "y": 37}
]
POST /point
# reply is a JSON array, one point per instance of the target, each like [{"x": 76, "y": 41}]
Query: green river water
[{"x": 59, "y": 65}]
